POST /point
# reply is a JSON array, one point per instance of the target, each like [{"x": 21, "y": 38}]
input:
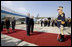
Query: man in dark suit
[
  {"x": 2, "y": 23},
  {"x": 45, "y": 22},
  {"x": 31, "y": 24},
  {"x": 7, "y": 23},
  {"x": 53, "y": 22},
  {"x": 41, "y": 22},
  {"x": 13, "y": 23},
  {"x": 28, "y": 24},
  {"x": 48, "y": 22}
]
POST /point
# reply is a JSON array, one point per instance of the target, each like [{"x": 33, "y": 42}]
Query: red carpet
[{"x": 39, "y": 38}]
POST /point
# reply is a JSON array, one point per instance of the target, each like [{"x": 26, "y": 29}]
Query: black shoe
[
  {"x": 28, "y": 35},
  {"x": 62, "y": 38},
  {"x": 8, "y": 32},
  {"x": 32, "y": 32},
  {"x": 13, "y": 30}
]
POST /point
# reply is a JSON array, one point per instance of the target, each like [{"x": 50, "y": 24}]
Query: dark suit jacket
[
  {"x": 7, "y": 23},
  {"x": 1, "y": 26},
  {"x": 13, "y": 23},
  {"x": 27, "y": 21},
  {"x": 31, "y": 21}
]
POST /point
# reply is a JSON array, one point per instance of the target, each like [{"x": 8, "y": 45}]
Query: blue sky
[{"x": 44, "y": 8}]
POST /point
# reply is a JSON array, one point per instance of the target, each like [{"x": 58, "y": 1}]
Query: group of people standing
[
  {"x": 68, "y": 22},
  {"x": 49, "y": 23},
  {"x": 45, "y": 22},
  {"x": 29, "y": 24},
  {"x": 54, "y": 23},
  {"x": 6, "y": 23}
]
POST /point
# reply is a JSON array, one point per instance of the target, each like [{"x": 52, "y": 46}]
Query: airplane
[{"x": 6, "y": 12}]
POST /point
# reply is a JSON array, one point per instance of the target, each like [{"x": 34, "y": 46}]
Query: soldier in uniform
[
  {"x": 68, "y": 22},
  {"x": 65, "y": 22},
  {"x": 48, "y": 22},
  {"x": 45, "y": 22},
  {"x": 60, "y": 23},
  {"x": 53, "y": 22},
  {"x": 28, "y": 24},
  {"x": 41, "y": 22}
]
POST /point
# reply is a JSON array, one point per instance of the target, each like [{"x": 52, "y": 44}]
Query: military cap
[{"x": 60, "y": 8}]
